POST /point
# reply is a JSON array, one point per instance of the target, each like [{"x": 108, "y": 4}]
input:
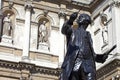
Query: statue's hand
[
  {"x": 73, "y": 17},
  {"x": 101, "y": 58},
  {"x": 105, "y": 56}
]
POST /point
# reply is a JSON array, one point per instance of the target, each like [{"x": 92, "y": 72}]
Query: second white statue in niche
[{"x": 7, "y": 25}]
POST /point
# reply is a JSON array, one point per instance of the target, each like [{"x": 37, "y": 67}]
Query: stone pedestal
[
  {"x": 7, "y": 39},
  {"x": 43, "y": 46}
]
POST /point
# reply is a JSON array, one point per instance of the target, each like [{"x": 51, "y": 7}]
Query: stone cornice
[
  {"x": 108, "y": 68},
  {"x": 32, "y": 68},
  {"x": 90, "y": 7}
]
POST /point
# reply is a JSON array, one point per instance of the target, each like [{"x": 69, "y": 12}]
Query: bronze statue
[{"x": 79, "y": 62}]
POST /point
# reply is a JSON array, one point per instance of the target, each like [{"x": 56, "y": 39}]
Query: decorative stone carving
[
  {"x": 32, "y": 68},
  {"x": 62, "y": 14},
  {"x": 29, "y": 6},
  {"x": 10, "y": 4}
]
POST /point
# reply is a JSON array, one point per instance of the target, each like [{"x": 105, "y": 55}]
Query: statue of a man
[
  {"x": 43, "y": 32},
  {"x": 79, "y": 62},
  {"x": 7, "y": 25},
  {"x": 105, "y": 35}
]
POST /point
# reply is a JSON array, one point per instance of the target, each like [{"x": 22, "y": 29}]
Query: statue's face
[
  {"x": 84, "y": 19},
  {"x": 44, "y": 22},
  {"x": 8, "y": 15}
]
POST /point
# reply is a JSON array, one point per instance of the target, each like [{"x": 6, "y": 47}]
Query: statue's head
[{"x": 84, "y": 19}]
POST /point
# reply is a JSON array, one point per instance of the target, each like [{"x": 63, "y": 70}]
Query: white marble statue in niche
[
  {"x": 104, "y": 29},
  {"x": 105, "y": 35},
  {"x": 43, "y": 33},
  {"x": 7, "y": 26}
]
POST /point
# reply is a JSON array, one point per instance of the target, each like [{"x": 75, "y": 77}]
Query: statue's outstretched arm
[{"x": 102, "y": 57}]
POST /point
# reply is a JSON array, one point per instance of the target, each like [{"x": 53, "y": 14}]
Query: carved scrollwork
[
  {"x": 106, "y": 69},
  {"x": 45, "y": 12}
]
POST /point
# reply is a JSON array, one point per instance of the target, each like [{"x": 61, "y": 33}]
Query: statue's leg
[
  {"x": 74, "y": 76},
  {"x": 78, "y": 75},
  {"x": 82, "y": 75}
]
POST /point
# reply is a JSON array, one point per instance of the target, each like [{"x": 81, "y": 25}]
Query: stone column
[
  {"x": 116, "y": 25},
  {"x": 61, "y": 39},
  {"x": 1, "y": 19},
  {"x": 27, "y": 28}
]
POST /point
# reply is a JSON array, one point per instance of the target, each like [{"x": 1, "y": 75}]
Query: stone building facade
[
  {"x": 32, "y": 46},
  {"x": 106, "y": 34}
]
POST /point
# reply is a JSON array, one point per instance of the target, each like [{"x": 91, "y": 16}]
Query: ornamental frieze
[
  {"x": 32, "y": 68},
  {"x": 108, "y": 68}
]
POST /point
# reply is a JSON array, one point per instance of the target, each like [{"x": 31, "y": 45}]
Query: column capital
[
  {"x": 11, "y": 3},
  {"x": 62, "y": 14},
  {"x": 28, "y": 6}
]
